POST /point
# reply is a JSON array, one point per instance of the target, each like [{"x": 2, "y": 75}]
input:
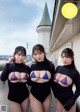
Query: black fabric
[
  {"x": 41, "y": 90},
  {"x": 69, "y": 104},
  {"x": 65, "y": 94},
  {"x": 18, "y": 91}
]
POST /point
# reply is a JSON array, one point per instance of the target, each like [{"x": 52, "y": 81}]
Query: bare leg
[
  {"x": 25, "y": 105},
  {"x": 73, "y": 109},
  {"x": 14, "y": 107},
  {"x": 36, "y": 106},
  {"x": 59, "y": 106},
  {"x": 47, "y": 104}
]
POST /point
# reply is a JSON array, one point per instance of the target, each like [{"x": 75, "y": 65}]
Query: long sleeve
[
  {"x": 71, "y": 102},
  {"x": 77, "y": 84},
  {"x": 52, "y": 72},
  {"x": 53, "y": 69},
  {"x": 5, "y": 72},
  {"x": 29, "y": 81}
]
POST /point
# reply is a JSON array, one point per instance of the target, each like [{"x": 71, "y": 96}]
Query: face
[
  {"x": 38, "y": 56},
  {"x": 19, "y": 58},
  {"x": 66, "y": 60}
]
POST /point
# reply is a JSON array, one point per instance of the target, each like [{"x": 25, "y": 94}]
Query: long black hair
[{"x": 69, "y": 53}]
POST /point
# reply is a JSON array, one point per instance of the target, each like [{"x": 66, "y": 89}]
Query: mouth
[
  {"x": 20, "y": 61},
  {"x": 65, "y": 63},
  {"x": 39, "y": 59}
]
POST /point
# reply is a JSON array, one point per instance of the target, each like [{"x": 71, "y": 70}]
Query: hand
[
  {"x": 69, "y": 104},
  {"x": 11, "y": 60}
]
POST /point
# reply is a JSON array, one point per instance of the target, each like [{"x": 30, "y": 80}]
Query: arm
[
  {"x": 71, "y": 102},
  {"x": 77, "y": 84},
  {"x": 5, "y": 72},
  {"x": 29, "y": 81},
  {"x": 52, "y": 71},
  {"x": 52, "y": 78}
]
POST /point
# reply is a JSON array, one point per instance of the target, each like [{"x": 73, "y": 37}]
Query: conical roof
[{"x": 45, "y": 21}]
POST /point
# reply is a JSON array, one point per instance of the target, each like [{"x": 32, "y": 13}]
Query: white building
[
  {"x": 44, "y": 29},
  {"x": 60, "y": 33},
  {"x": 65, "y": 33}
]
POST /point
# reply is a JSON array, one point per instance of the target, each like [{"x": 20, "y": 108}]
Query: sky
[{"x": 18, "y": 22}]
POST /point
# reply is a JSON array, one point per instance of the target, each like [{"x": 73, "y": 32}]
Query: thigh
[
  {"x": 73, "y": 109},
  {"x": 59, "y": 106},
  {"x": 47, "y": 104},
  {"x": 25, "y": 105},
  {"x": 36, "y": 105},
  {"x": 14, "y": 107}
]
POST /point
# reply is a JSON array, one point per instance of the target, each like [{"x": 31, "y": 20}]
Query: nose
[
  {"x": 38, "y": 56},
  {"x": 64, "y": 59},
  {"x": 21, "y": 57}
]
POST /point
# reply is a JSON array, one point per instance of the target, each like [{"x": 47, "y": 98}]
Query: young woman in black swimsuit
[
  {"x": 17, "y": 74},
  {"x": 64, "y": 79},
  {"x": 41, "y": 77}
]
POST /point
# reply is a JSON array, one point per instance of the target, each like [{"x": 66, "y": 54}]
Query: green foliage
[{"x": 1, "y": 67}]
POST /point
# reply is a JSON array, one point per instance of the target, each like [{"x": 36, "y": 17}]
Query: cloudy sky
[{"x": 18, "y": 22}]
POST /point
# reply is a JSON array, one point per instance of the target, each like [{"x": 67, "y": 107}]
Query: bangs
[
  {"x": 67, "y": 55},
  {"x": 67, "y": 52},
  {"x": 21, "y": 53},
  {"x": 37, "y": 51}
]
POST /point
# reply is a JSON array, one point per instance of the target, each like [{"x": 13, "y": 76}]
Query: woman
[
  {"x": 17, "y": 74},
  {"x": 41, "y": 75},
  {"x": 64, "y": 79}
]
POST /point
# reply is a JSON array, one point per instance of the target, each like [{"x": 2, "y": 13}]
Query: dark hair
[
  {"x": 20, "y": 49},
  {"x": 69, "y": 53},
  {"x": 38, "y": 47}
]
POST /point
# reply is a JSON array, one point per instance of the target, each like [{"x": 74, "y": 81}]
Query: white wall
[
  {"x": 56, "y": 56},
  {"x": 44, "y": 36},
  {"x": 76, "y": 49},
  {"x": 74, "y": 43}
]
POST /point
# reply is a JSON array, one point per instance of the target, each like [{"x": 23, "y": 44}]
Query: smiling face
[{"x": 38, "y": 55}]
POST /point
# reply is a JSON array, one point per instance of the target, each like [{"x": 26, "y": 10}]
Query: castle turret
[{"x": 44, "y": 29}]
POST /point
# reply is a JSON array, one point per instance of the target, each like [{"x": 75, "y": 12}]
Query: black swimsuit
[
  {"x": 65, "y": 93},
  {"x": 18, "y": 90},
  {"x": 41, "y": 90}
]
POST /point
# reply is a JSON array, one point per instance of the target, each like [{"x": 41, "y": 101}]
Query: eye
[
  {"x": 40, "y": 53},
  {"x": 18, "y": 54},
  {"x": 35, "y": 54},
  {"x": 62, "y": 56}
]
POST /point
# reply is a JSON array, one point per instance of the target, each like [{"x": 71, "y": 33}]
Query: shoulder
[
  {"x": 33, "y": 65},
  {"x": 9, "y": 65},
  {"x": 76, "y": 76},
  {"x": 52, "y": 66},
  {"x": 59, "y": 67},
  {"x": 76, "y": 72}
]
